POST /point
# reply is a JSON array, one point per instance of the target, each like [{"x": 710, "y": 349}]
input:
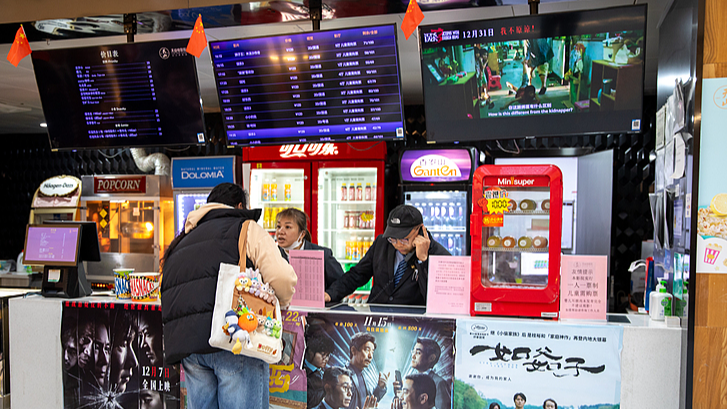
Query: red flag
[
  {"x": 20, "y": 47},
  {"x": 412, "y": 18},
  {"x": 198, "y": 40}
]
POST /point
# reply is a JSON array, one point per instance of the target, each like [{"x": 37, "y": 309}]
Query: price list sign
[
  {"x": 340, "y": 85},
  {"x": 120, "y": 95}
]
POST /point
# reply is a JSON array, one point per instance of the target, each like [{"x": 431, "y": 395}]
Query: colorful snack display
[
  {"x": 524, "y": 242},
  {"x": 540, "y": 242},
  {"x": 493, "y": 241},
  {"x": 508, "y": 242}
]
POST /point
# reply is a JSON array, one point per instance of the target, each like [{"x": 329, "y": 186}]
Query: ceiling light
[{"x": 43, "y": 125}]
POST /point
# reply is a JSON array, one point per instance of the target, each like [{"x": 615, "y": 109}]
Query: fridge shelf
[
  {"x": 282, "y": 202},
  {"x": 343, "y": 231},
  {"x": 345, "y": 261},
  {"x": 447, "y": 230},
  {"x": 350, "y": 202},
  {"x": 521, "y": 213},
  {"x": 514, "y": 250}
]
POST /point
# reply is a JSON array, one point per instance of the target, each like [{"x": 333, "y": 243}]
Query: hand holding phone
[{"x": 397, "y": 383}]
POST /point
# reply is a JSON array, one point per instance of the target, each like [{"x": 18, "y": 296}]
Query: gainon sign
[{"x": 133, "y": 184}]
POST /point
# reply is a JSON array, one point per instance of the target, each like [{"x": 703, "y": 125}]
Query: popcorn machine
[
  {"x": 516, "y": 229},
  {"x": 134, "y": 218}
]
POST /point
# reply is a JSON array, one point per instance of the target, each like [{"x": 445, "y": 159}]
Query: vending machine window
[{"x": 516, "y": 237}]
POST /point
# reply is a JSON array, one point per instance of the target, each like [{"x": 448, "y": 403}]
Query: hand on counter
[
  {"x": 326, "y": 297},
  {"x": 421, "y": 244}
]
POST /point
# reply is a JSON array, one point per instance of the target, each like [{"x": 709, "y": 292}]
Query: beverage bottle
[
  {"x": 373, "y": 191},
  {"x": 457, "y": 245},
  {"x": 274, "y": 191},
  {"x": 367, "y": 192},
  {"x": 425, "y": 214},
  {"x": 348, "y": 250},
  {"x": 351, "y": 192},
  {"x": 460, "y": 215},
  {"x": 432, "y": 211},
  {"x": 453, "y": 222},
  {"x": 266, "y": 190},
  {"x": 346, "y": 224},
  {"x": 354, "y": 249},
  {"x": 450, "y": 243},
  {"x": 359, "y": 192},
  {"x": 344, "y": 192},
  {"x": 288, "y": 192},
  {"x": 267, "y": 219},
  {"x": 435, "y": 236},
  {"x": 446, "y": 222},
  {"x": 436, "y": 220},
  {"x": 361, "y": 248}
]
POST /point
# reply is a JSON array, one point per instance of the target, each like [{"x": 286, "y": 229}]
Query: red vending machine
[{"x": 515, "y": 229}]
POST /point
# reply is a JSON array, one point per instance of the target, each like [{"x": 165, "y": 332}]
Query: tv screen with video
[
  {"x": 544, "y": 75},
  {"x": 120, "y": 95},
  {"x": 323, "y": 86}
]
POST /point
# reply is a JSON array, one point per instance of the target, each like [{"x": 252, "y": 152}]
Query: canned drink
[
  {"x": 144, "y": 287},
  {"x": 122, "y": 285}
]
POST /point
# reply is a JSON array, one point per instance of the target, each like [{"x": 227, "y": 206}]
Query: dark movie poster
[
  {"x": 113, "y": 358},
  {"x": 378, "y": 356}
]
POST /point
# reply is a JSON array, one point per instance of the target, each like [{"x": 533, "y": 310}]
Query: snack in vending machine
[
  {"x": 351, "y": 192},
  {"x": 367, "y": 192},
  {"x": 266, "y": 190},
  {"x": 344, "y": 192},
  {"x": 288, "y": 192},
  {"x": 274, "y": 191},
  {"x": 359, "y": 193}
]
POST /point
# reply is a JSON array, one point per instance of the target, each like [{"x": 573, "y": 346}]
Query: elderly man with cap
[{"x": 398, "y": 261}]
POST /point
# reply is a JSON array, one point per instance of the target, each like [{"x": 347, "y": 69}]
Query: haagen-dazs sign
[
  {"x": 60, "y": 186},
  {"x": 134, "y": 184},
  {"x": 429, "y": 166}
]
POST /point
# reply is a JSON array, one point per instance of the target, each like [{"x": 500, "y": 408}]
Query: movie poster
[
  {"x": 113, "y": 358},
  {"x": 529, "y": 364},
  {"x": 287, "y": 377},
  {"x": 378, "y": 356}
]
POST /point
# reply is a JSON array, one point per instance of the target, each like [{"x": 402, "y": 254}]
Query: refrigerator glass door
[
  {"x": 347, "y": 212},
  {"x": 274, "y": 190},
  {"x": 516, "y": 254},
  {"x": 185, "y": 203},
  {"x": 445, "y": 216}
]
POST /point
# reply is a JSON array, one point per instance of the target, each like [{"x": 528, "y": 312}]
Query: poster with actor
[
  {"x": 364, "y": 361},
  {"x": 288, "y": 377},
  {"x": 113, "y": 357},
  {"x": 518, "y": 364}
]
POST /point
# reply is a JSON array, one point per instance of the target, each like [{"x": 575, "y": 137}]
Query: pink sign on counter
[
  {"x": 583, "y": 287},
  {"x": 448, "y": 287},
  {"x": 309, "y": 266}
]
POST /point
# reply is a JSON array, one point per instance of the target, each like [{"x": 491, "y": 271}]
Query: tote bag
[{"x": 246, "y": 319}]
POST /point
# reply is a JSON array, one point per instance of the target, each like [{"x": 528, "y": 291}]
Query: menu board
[
  {"x": 339, "y": 85},
  {"x": 118, "y": 95},
  {"x": 51, "y": 245}
]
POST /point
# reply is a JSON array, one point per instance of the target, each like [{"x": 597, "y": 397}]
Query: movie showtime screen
[{"x": 546, "y": 75}]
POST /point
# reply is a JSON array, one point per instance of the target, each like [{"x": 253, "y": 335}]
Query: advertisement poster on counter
[
  {"x": 373, "y": 351},
  {"x": 509, "y": 364},
  {"x": 712, "y": 200},
  {"x": 113, "y": 358},
  {"x": 287, "y": 377}
]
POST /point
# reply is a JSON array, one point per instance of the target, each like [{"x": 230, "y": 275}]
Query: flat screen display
[
  {"x": 546, "y": 75},
  {"x": 52, "y": 245},
  {"x": 338, "y": 85},
  {"x": 120, "y": 95}
]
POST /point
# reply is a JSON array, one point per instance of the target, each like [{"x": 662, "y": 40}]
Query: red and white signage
[{"x": 130, "y": 184}]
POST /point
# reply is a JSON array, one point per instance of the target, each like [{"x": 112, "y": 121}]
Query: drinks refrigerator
[
  {"x": 438, "y": 182},
  {"x": 194, "y": 178},
  {"x": 516, "y": 235}
]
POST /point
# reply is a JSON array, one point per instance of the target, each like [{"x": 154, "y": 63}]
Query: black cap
[{"x": 401, "y": 221}]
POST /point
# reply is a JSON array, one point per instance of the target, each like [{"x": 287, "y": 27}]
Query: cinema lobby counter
[{"x": 650, "y": 358}]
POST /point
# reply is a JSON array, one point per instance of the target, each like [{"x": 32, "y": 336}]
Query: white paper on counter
[
  {"x": 448, "y": 287},
  {"x": 309, "y": 265}
]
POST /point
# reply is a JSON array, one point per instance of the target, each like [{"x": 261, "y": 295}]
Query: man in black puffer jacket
[{"x": 216, "y": 378}]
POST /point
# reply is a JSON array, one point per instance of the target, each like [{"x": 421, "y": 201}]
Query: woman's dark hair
[
  {"x": 299, "y": 217},
  {"x": 229, "y": 194},
  {"x": 494, "y": 405},
  {"x": 550, "y": 400}
]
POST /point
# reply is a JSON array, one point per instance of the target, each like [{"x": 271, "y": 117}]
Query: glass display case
[
  {"x": 134, "y": 218},
  {"x": 516, "y": 238},
  {"x": 445, "y": 216}
]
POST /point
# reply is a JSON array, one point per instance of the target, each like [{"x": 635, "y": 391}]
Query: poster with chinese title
[
  {"x": 113, "y": 357},
  {"x": 526, "y": 364},
  {"x": 369, "y": 352},
  {"x": 287, "y": 377}
]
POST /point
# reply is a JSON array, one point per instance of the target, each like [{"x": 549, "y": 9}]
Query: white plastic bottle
[{"x": 660, "y": 302}]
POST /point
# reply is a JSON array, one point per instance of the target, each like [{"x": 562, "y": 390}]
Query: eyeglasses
[
  {"x": 347, "y": 387},
  {"x": 403, "y": 242}
]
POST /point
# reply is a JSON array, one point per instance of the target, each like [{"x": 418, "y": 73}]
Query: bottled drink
[
  {"x": 432, "y": 219},
  {"x": 361, "y": 248},
  {"x": 348, "y": 250},
  {"x": 266, "y": 190},
  {"x": 359, "y": 192},
  {"x": 346, "y": 222},
  {"x": 460, "y": 214},
  {"x": 354, "y": 249},
  {"x": 453, "y": 221},
  {"x": 367, "y": 192},
  {"x": 288, "y": 192},
  {"x": 373, "y": 191},
  {"x": 425, "y": 213},
  {"x": 437, "y": 220},
  {"x": 274, "y": 191},
  {"x": 351, "y": 192},
  {"x": 450, "y": 243},
  {"x": 344, "y": 192},
  {"x": 436, "y": 237},
  {"x": 268, "y": 219}
]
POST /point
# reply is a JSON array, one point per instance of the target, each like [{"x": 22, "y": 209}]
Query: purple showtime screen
[
  {"x": 323, "y": 86},
  {"x": 436, "y": 165},
  {"x": 51, "y": 245}
]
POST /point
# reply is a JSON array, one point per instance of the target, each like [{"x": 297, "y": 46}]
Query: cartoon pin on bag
[{"x": 246, "y": 319}]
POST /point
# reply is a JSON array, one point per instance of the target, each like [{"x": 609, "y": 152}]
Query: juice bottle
[
  {"x": 274, "y": 191},
  {"x": 288, "y": 192},
  {"x": 367, "y": 192},
  {"x": 354, "y": 250},
  {"x": 351, "y": 192},
  {"x": 361, "y": 248},
  {"x": 359, "y": 192},
  {"x": 373, "y": 191},
  {"x": 348, "y": 250},
  {"x": 346, "y": 224},
  {"x": 266, "y": 190},
  {"x": 344, "y": 192},
  {"x": 268, "y": 219}
]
